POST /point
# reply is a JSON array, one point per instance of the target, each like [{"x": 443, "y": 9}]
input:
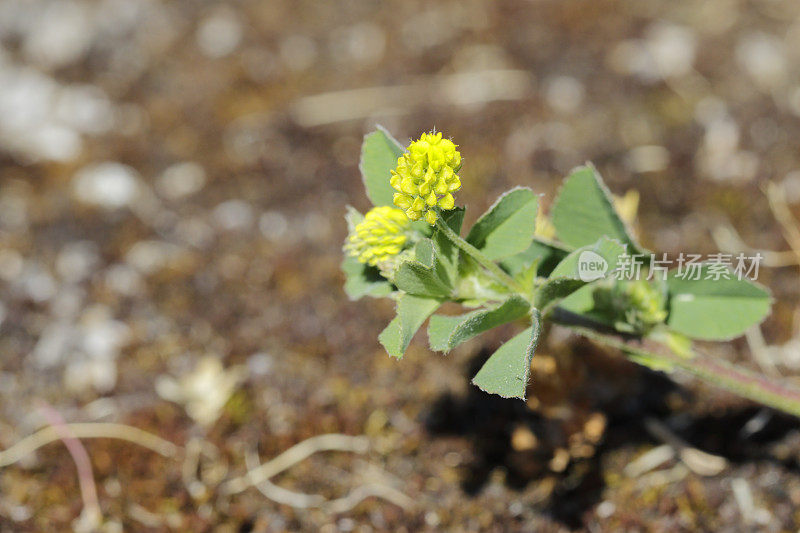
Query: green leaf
[
  {"x": 415, "y": 278},
  {"x": 555, "y": 290},
  {"x": 584, "y": 265},
  {"x": 547, "y": 254},
  {"x": 379, "y": 153},
  {"x": 447, "y": 332},
  {"x": 588, "y": 263},
  {"x": 426, "y": 253},
  {"x": 423, "y": 251},
  {"x": 507, "y": 371},
  {"x": 363, "y": 280},
  {"x": 584, "y": 211},
  {"x": 715, "y": 309},
  {"x": 581, "y": 301},
  {"x": 412, "y": 311},
  {"x": 508, "y": 226}
]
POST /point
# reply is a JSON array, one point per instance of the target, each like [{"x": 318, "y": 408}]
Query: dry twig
[
  {"x": 91, "y": 430},
  {"x": 292, "y": 456}
]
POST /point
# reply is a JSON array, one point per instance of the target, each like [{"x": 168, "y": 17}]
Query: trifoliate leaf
[
  {"x": 714, "y": 309},
  {"x": 507, "y": 371},
  {"x": 447, "y": 332},
  {"x": 412, "y": 311},
  {"x": 583, "y": 211},
  {"x": 507, "y": 228}
]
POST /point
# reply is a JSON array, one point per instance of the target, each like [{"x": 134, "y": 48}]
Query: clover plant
[{"x": 409, "y": 247}]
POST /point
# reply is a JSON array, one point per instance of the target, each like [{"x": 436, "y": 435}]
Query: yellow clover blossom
[
  {"x": 426, "y": 177},
  {"x": 380, "y": 237}
]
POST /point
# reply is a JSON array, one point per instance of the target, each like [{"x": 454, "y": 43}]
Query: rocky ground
[{"x": 173, "y": 179}]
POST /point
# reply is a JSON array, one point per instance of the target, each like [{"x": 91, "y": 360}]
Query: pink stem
[{"x": 79, "y": 455}]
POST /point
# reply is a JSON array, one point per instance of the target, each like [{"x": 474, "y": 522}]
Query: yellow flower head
[
  {"x": 380, "y": 237},
  {"x": 426, "y": 177}
]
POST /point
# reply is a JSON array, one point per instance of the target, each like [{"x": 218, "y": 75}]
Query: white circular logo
[{"x": 591, "y": 266}]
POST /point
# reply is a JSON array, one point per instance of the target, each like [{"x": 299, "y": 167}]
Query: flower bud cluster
[
  {"x": 380, "y": 237},
  {"x": 425, "y": 177}
]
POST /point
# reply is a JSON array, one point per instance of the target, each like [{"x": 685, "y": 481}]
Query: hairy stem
[
  {"x": 774, "y": 393},
  {"x": 481, "y": 259}
]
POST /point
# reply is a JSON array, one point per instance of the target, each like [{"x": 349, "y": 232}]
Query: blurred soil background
[{"x": 173, "y": 179}]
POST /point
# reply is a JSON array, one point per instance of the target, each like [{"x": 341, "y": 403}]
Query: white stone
[
  {"x": 103, "y": 338},
  {"x": 273, "y": 225},
  {"x": 76, "y": 260},
  {"x": 26, "y": 97},
  {"x": 36, "y": 282},
  {"x": 763, "y": 57},
  {"x": 220, "y": 33},
  {"x": 260, "y": 364},
  {"x": 647, "y": 158},
  {"x": 53, "y": 344},
  {"x": 150, "y": 255},
  {"x": 85, "y": 108},
  {"x": 667, "y": 51},
  {"x": 362, "y": 44},
  {"x": 672, "y": 48},
  {"x": 124, "y": 280},
  {"x": 234, "y": 215},
  {"x": 109, "y": 184},
  {"x": 180, "y": 180},
  {"x": 51, "y": 142},
  {"x": 86, "y": 374},
  {"x": 564, "y": 93},
  {"x": 60, "y": 36}
]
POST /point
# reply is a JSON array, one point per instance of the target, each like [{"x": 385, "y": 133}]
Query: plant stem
[
  {"x": 774, "y": 393},
  {"x": 482, "y": 260}
]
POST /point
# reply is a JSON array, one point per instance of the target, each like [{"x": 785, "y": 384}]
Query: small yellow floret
[
  {"x": 380, "y": 237},
  {"x": 425, "y": 177}
]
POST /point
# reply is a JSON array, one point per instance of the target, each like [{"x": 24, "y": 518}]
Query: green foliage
[
  {"x": 632, "y": 306},
  {"x": 506, "y": 372},
  {"x": 418, "y": 279},
  {"x": 506, "y": 273},
  {"x": 412, "y": 311},
  {"x": 606, "y": 250},
  {"x": 546, "y": 255},
  {"x": 508, "y": 226},
  {"x": 584, "y": 211},
  {"x": 569, "y": 275},
  {"x": 379, "y": 154},
  {"x": 447, "y": 332},
  {"x": 715, "y": 309},
  {"x": 362, "y": 280}
]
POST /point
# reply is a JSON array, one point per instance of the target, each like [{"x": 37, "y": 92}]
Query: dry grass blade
[
  {"x": 698, "y": 461},
  {"x": 91, "y": 430},
  {"x": 292, "y": 456}
]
